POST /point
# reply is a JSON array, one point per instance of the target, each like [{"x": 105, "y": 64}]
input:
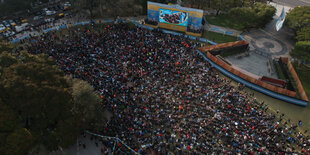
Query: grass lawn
[
  {"x": 279, "y": 71},
  {"x": 225, "y": 21},
  {"x": 303, "y": 73},
  {"x": 218, "y": 37}
]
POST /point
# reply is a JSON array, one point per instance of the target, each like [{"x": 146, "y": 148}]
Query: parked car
[
  {"x": 17, "y": 21},
  {"x": 24, "y": 20},
  {"x": 2, "y": 28},
  {"x": 12, "y": 23},
  {"x": 43, "y": 13},
  {"x": 59, "y": 7},
  {"x": 67, "y": 4},
  {"x": 67, "y": 14},
  {"x": 60, "y": 15},
  {"x": 48, "y": 13},
  {"x": 37, "y": 17},
  {"x": 39, "y": 23},
  {"x": 38, "y": 13},
  {"x": 49, "y": 20},
  {"x": 21, "y": 27},
  {"x": 8, "y": 33},
  {"x": 5, "y": 23},
  {"x": 56, "y": 8}
]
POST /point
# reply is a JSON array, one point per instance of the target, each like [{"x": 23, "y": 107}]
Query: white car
[
  {"x": 6, "y": 24},
  {"x": 2, "y": 28},
  {"x": 9, "y": 34},
  {"x": 12, "y": 22},
  {"x": 50, "y": 12},
  {"x": 21, "y": 27},
  {"x": 37, "y": 17},
  {"x": 67, "y": 4},
  {"x": 49, "y": 20}
]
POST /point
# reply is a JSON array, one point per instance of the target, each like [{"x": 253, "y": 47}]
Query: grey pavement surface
[
  {"x": 221, "y": 29},
  {"x": 90, "y": 149},
  {"x": 254, "y": 63},
  {"x": 293, "y": 3}
]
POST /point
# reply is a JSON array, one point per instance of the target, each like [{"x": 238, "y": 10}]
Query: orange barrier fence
[
  {"x": 249, "y": 78},
  {"x": 300, "y": 88},
  {"x": 224, "y": 45}
]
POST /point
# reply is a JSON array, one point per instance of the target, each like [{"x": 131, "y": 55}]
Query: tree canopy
[
  {"x": 303, "y": 34},
  {"x": 242, "y": 18},
  {"x": 298, "y": 18},
  {"x": 12, "y": 6},
  {"x": 40, "y": 108}
]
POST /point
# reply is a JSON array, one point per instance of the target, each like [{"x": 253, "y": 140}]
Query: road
[{"x": 293, "y": 3}]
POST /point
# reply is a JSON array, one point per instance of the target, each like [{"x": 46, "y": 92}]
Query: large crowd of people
[{"x": 165, "y": 98}]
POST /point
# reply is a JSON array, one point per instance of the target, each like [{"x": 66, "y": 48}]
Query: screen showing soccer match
[{"x": 173, "y": 17}]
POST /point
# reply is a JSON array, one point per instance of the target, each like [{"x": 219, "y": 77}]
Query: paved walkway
[
  {"x": 90, "y": 147},
  {"x": 293, "y": 3},
  {"x": 224, "y": 30}
]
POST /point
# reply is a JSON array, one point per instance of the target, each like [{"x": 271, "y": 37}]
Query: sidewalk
[
  {"x": 224, "y": 30},
  {"x": 90, "y": 149}
]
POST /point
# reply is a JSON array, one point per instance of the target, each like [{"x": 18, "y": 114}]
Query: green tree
[
  {"x": 222, "y": 5},
  {"x": 39, "y": 149},
  {"x": 8, "y": 122},
  {"x": 8, "y": 118},
  {"x": 5, "y": 46},
  {"x": 49, "y": 106},
  {"x": 85, "y": 100},
  {"x": 41, "y": 109},
  {"x": 38, "y": 92},
  {"x": 257, "y": 15},
  {"x": 302, "y": 51},
  {"x": 11, "y": 6},
  {"x": 245, "y": 16},
  {"x": 86, "y": 105},
  {"x": 6, "y": 60},
  {"x": 86, "y": 113},
  {"x": 298, "y": 18},
  {"x": 18, "y": 141},
  {"x": 264, "y": 14},
  {"x": 303, "y": 34},
  {"x": 89, "y": 5}
]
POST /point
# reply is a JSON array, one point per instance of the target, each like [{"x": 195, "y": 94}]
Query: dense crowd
[
  {"x": 194, "y": 29},
  {"x": 151, "y": 22},
  {"x": 165, "y": 98}
]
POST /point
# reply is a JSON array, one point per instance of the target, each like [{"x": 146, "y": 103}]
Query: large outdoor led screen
[{"x": 173, "y": 17}]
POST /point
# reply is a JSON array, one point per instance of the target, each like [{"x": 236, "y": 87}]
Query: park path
[{"x": 220, "y": 29}]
